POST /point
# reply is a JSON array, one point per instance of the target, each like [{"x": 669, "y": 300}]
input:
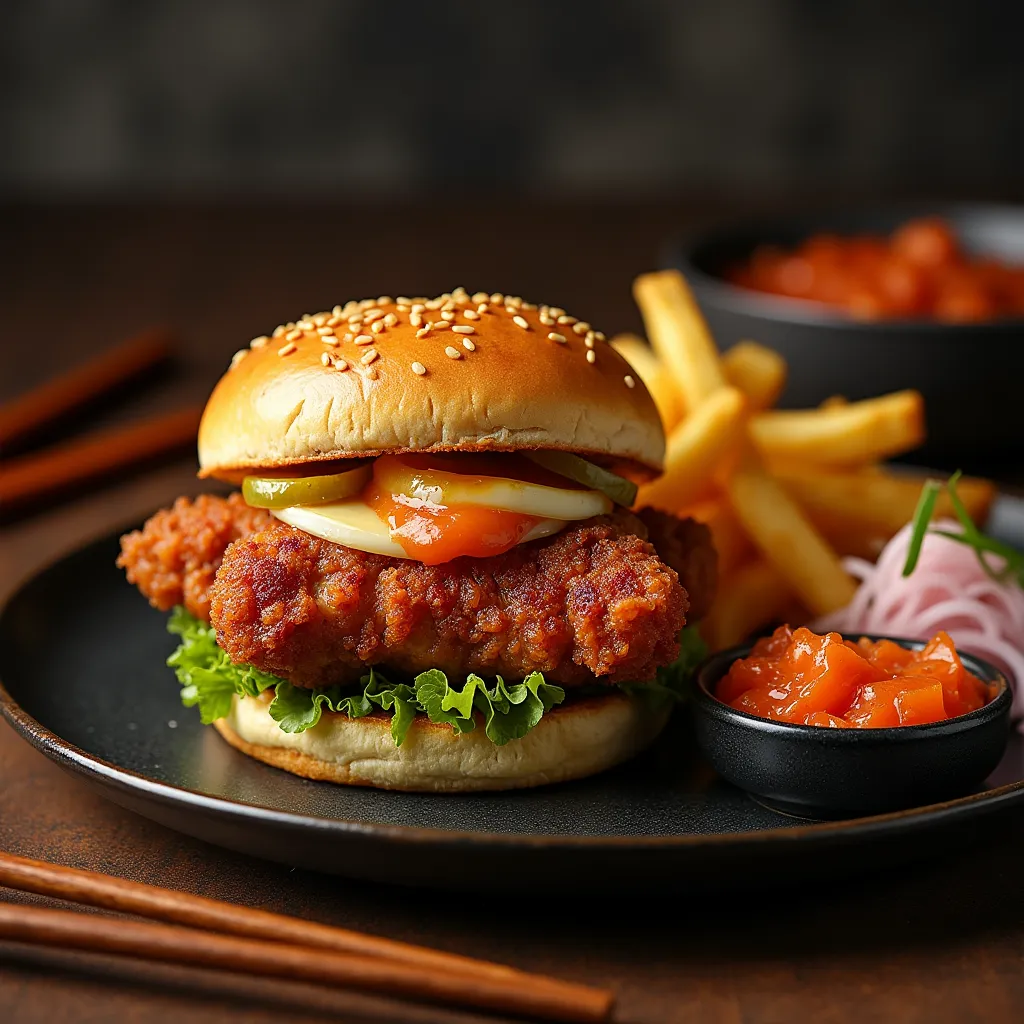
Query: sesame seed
[
  {"x": 422, "y": 332},
  {"x": 591, "y": 356},
  {"x": 520, "y": 321},
  {"x": 402, "y": 307},
  {"x": 418, "y": 307},
  {"x": 415, "y": 319},
  {"x": 385, "y": 300},
  {"x": 306, "y": 324},
  {"x": 391, "y": 319},
  {"x": 293, "y": 335},
  {"x": 546, "y": 320},
  {"x": 340, "y": 364},
  {"x": 464, "y": 329},
  {"x": 419, "y": 369},
  {"x": 482, "y": 308},
  {"x": 278, "y": 331},
  {"x": 334, "y": 321},
  {"x": 368, "y": 356},
  {"x": 528, "y": 305},
  {"x": 449, "y": 305},
  {"x": 479, "y": 297},
  {"x": 563, "y": 319},
  {"x": 377, "y": 326},
  {"x": 332, "y": 341},
  {"x": 630, "y": 383},
  {"x": 324, "y": 331},
  {"x": 364, "y": 339},
  {"x": 403, "y": 300},
  {"x": 497, "y": 298},
  {"x": 373, "y": 314},
  {"x": 434, "y": 303},
  {"x": 513, "y": 300},
  {"x": 471, "y": 314},
  {"x": 325, "y": 358},
  {"x": 581, "y": 327},
  {"x": 320, "y": 319},
  {"x": 511, "y": 309},
  {"x": 442, "y": 325},
  {"x": 468, "y": 345},
  {"x": 555, "y": 336},
  {"x": 348, "y": 337},
  {"x": 452, "y": 353},
  {"x": 338, "y": 311},
  {"x": 556, "y": 311},
  {"x": 599, "y": 336},
  {"x": 287, "y": 350},
  {"x": 429, "y": 325},
  {"x": 589, "y": 341},
  {"x": 238, "y": 357},
  {"x": 260, "y": 341},
  {"x": 447, "y": 315}
]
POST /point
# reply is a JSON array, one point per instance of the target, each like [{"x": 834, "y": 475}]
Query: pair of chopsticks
[
  {"x": 28, "y": 477},
  {"x": 194, "y": 930}
]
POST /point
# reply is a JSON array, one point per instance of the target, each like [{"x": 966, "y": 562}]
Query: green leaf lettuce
[{"x": 209, "y": 680}]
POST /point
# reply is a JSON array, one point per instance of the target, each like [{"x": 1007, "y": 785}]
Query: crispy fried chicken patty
[
  {"x": 595, "y": 601},
  {"x": 175, "y": 556}
]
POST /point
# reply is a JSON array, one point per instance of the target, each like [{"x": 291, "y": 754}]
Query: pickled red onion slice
[{"x": 948, "y": 591}]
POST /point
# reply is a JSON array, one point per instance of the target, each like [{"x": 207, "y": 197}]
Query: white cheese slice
[{"x": 355, "y": 525}]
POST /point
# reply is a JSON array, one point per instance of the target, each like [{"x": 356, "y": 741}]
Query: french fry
[
  {"x": 842, "y": 435},
  {"x": 787, "y": 539},
  {"x": 759, "y": 372},
  {"x": 656, "y": 378},
  {"x": 707, "y": 438},
  {"x": 679, "y": 334},
  {"x": 730, "y": 539},
  {"x": 858, "y": 512},
  {"x": 748, "y": 598}
]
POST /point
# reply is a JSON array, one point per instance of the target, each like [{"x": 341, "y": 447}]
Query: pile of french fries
[{"x": 786, "y": 493}]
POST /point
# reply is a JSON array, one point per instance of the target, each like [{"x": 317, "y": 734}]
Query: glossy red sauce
[
  {"x": 435, "y": 533},
  {"x": 920, "y": 270},
  {"x": 799, "y": 676}
]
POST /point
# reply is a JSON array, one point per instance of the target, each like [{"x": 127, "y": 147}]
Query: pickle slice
[
  {"x": 286, "y": 491},
  {"x": 618, "y": 488}
]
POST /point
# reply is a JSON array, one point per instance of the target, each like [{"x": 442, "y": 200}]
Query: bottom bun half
[{"x": 571, "y": 741}]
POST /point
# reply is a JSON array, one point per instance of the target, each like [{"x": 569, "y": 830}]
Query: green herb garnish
[{"x": 971, "y": 536}]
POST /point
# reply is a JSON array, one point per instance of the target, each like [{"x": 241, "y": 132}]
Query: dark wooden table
[{"x": 938, "y": 941}]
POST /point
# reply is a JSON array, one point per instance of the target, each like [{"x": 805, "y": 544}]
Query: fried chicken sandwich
[{"x": 430, "y": 578}]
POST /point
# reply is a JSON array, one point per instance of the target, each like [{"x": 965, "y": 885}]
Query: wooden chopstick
[
  {"x": 166, "y": 943},
  {"x": 82, "y": 384},
  {"x": 245, "y": 923},
  {"x": 73, "y": 462}
]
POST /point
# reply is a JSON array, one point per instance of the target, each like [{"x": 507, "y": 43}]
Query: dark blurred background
[{"x": 335, "y": 99}]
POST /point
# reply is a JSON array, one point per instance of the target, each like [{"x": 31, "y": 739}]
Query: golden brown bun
[
  {"x": 279, "y": 405},
  {"x": 571, "y": 741}
]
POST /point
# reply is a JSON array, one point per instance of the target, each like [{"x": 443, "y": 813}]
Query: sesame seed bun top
[{"x": 458, "y": 372}]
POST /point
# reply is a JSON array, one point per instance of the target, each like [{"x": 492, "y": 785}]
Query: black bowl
[
  {"x": 816, "y": 772},
  {"x": 969, "y": 373}
]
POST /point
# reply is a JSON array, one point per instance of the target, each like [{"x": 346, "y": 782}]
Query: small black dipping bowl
[
  {"x": 816, "y": 772},
  {"x": 969, "y": 374}
]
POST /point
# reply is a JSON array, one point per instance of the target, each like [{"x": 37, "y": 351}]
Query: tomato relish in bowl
[
  {"x": 798, "y": 676},
  {"x": 919, "y": 271}
]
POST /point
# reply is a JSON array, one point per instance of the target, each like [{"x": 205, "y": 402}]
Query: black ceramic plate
[{"x": 82, "y": 660}]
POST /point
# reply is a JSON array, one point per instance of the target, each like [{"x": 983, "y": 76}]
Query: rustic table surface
[{"x": 941, "y": 940}]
